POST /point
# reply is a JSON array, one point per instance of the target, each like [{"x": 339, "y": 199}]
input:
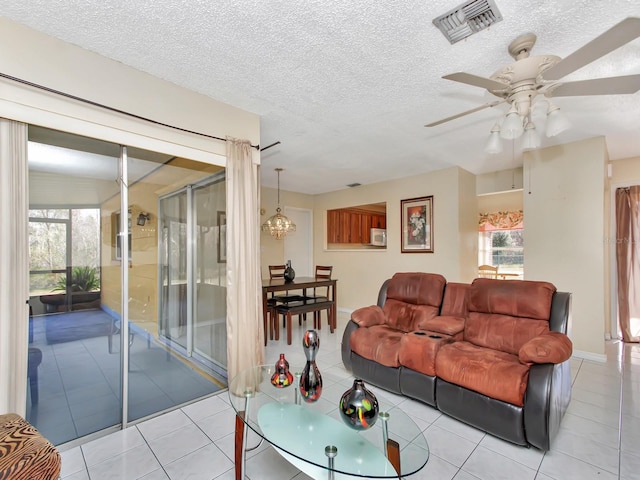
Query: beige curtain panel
[
  {"x": 628, "y": 261},
  {"x": 14, "y": 266},
  {"x": 245, "y": 347}
]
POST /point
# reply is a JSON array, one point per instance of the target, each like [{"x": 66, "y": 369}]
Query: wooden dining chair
[
  {"x": 487, "y": 271},
  {"x": 323, "y": 272},
  {"x": 275, "y": 272}
]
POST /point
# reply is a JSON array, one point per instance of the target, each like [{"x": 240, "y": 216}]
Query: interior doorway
[{"x": 298, "y": 246}]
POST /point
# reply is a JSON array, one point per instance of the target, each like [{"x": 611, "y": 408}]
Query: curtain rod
[{"x": 112, "y": 109}]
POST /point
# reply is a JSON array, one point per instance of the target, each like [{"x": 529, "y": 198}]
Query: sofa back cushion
[
  {"x": 454, "y": 303},
  {"x": 411, "y": 298},
  {"x": 505, "y": 314}
]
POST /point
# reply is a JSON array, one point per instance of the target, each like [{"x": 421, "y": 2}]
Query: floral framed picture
[{"x": 417, "y": 225}]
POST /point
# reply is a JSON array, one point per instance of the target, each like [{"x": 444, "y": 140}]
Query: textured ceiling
[{"x": 346, "y": 87}]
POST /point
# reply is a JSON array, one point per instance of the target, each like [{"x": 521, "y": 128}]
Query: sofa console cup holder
[{"x": 425, "y": 334}]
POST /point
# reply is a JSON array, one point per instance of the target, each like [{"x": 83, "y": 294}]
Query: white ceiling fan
[{"x": 532, "y": 77}]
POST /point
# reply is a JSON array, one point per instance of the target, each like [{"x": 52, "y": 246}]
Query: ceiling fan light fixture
[
  {"x": 512, "y": 125},
  {"x": 530, "y": 139},
  {"x": 557, "y": 122},
  {"x": 278, "y": 225},
  {"x": 494, "y": 143}
]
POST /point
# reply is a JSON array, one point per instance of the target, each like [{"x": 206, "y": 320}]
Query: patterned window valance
[{"x": 501, "y": 221}]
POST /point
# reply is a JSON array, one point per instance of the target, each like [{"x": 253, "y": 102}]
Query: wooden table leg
[
  {"x": 288, "y": 328},
  {"x": 393, "y": 454},
  {"x": 274, "y": 323},
  {"x": 264, "y": 316},
  {"x": 239, "y": 445}
]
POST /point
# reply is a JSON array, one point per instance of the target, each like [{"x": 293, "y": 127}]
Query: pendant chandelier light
[{"x": 278, "y": 225}]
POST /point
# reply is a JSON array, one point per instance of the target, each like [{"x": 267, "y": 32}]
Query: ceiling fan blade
[
  {"x": 597, "y": 86},
  {"x": 617, "y": 36},
  {"x": 473, "y": 110},
  {"x": 476, "y": 81}
]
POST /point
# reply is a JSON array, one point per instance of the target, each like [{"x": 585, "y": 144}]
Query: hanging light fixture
[
  {"x": 530, "y": 139},
  {"x": 517, "y": 123},
  {"x": 556, "y": 121},
  {"x": 494, "y": 144},
  {"x": 278, "y": 225}
]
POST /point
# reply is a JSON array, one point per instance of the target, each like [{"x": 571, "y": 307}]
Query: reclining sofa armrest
[
  {"x": 546, "y": 401},
  {"x": 346, "y": 344},
  {"x": 551, "y": 347},
  {"x": 368, "y": 316}
]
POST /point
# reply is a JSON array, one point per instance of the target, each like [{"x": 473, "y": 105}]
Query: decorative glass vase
[
  {"x": 310, "y": 380},
  {"x": 289, "y": 272},
  {"x": 359, "y": 406},
  {"x": 282, "y": 377}
]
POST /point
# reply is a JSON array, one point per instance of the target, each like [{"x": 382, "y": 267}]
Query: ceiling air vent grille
[{"x": 467, "y": 19}]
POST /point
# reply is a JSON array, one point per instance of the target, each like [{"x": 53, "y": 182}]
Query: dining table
[{"x": 271, "y": 285}]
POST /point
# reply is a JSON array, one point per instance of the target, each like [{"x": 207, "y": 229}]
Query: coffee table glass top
[{"x": 301, "y": 432}]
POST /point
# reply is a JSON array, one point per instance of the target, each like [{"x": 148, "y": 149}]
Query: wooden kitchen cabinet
[{"x": 352, "y": 225}]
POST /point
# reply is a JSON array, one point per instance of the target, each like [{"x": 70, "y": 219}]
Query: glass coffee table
[{"x": 313, "y": 436}]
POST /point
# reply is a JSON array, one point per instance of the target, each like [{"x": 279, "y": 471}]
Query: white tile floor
[{"x": 197, "y": 441}]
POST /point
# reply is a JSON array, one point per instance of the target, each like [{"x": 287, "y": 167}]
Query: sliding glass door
[
  {"x": 192, "y": 283},
  {"x": 210, "y": 308},
  {"x": 75, "y": 376},
  {"x": 117, "y": 331}
]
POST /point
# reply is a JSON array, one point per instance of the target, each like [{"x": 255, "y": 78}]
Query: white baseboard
[{"x": 595, "y": 357}]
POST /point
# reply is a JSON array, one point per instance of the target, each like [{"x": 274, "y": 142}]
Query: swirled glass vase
[
  {"x": 310, "y": 380},
  {"x": 282, "y": 377},
  {"x": 359, "y": 406}
]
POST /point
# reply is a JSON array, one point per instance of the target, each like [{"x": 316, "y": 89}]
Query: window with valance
[{"x": 501, "y": 241}]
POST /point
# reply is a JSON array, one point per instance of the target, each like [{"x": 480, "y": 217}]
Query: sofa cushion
[
  {"x": 552, "y": 347},
  {"x": 368, "y": 316},
  {"x": 405, "y": 316},
  {"x": 454, "y": 302},
  {"x": 418, "y": 351},
  {"x": 490, "y": 372},
  {"x": 379, "y": 343},
  {"x": 413, "y": 297},
  {"x": 516, "y": 298},
  {"x": 451, "y": 326},
  {"x": 506, "y": 314}
]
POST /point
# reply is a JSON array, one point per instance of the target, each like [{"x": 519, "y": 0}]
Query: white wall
[
  {"x": 564, "y": 218},
  {"x": 500, "y": 181},
  {"x": 500, "y": 202}
]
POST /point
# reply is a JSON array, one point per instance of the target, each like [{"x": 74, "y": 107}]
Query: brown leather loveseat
[{"x": 493, "y": 354}]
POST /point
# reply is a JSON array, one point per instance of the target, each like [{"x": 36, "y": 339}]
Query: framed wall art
[{"x": 417, "y": 225}]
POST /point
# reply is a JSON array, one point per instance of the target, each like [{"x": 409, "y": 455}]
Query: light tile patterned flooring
[{"x": 197, "y": 441}]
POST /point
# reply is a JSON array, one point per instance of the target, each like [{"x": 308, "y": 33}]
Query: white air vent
[{"x": 467, "y": 19}]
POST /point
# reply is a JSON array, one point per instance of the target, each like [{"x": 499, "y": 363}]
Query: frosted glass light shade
[
  {"x": 512, "y": 125},
  {"x": 531, "y": 139},
  {"x": 494, "y": 142},
  {"x": 556, "y": 121}
]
